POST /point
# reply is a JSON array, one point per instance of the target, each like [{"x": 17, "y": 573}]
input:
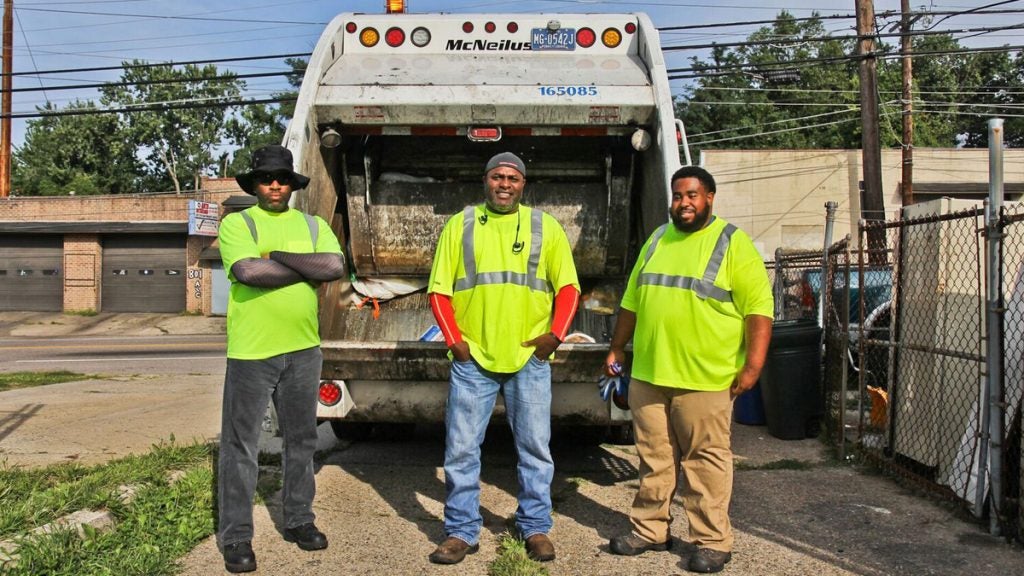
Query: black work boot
[
  {"x": 239, "y": 557},
  {"x": 307, "y": 536}
]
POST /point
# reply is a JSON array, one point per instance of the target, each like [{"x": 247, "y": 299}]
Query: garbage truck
[{"x": 395, "y": 118}]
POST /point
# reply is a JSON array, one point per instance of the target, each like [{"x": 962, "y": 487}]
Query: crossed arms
[{"x": 279, "y": 269}]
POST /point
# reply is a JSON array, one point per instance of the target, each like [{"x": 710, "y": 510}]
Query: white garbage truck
[{"x": 397, "y": 115}]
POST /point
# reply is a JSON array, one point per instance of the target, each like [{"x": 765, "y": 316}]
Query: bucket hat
[{"x": 273, "y": 158}]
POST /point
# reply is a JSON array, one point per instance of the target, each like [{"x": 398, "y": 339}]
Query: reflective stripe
[
  {"x": 474, "y": 279},
  {"x": 314, "y": 230},
  {"x": 704, "y": 287}
]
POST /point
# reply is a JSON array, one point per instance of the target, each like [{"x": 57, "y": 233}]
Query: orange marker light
[
  {"x": 369, "y": 37},
  {"x": 611, "y": 37}
]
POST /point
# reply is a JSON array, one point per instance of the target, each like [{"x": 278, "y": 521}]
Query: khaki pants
[{"x": 674, "y": 426}]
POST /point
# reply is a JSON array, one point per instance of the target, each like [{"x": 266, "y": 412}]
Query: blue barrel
[{"x": 748, "y": 408}]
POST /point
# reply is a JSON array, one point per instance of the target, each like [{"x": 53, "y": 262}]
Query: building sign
[{"x": 203, "y": 218}]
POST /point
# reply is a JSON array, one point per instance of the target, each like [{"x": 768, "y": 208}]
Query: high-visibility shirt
[
  {"x": 502, "y": 292},
  {"x": 691, "y": 293},
  {"x": 266, "y": 322}
]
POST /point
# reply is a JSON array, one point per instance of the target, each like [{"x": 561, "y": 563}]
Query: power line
[
  {"x": 158, "y": 17},
  {"x": 783, "y": 41},
  {"x": 227, "y": 77},
  {"x": 159, "y": 64},
  {"x": 710, "y": 70},
  {"x": 185, "y": 105}
]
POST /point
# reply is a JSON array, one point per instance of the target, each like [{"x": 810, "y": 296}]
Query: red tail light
[
  {"x": 585, "y": 37},
  {"x": 330, "y": 393},
  {"x": 394, "y": 37}
]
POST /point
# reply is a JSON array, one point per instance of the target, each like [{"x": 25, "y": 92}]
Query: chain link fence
[{"x": 904, "y": 362}]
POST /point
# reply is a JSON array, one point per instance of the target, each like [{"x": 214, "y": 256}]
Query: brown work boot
[
  {"x": 540, "y": 548},
  {"x": 632, "y": 544},
  {"x": 707, "y": 561},
  {"x": 452, "y": 551}
]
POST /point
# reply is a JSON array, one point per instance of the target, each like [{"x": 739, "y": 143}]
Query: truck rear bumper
[{"x": 408, "y": 382}]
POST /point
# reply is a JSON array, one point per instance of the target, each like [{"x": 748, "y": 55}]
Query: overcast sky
[{"x": 72, "y": 34}]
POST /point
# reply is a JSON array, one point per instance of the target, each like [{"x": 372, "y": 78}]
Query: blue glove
[{"x": 618, "y": 384}]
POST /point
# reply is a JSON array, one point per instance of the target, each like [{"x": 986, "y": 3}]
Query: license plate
[{"x": 562, "y": 39}]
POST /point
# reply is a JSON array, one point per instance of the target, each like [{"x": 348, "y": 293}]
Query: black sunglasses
[{"x": 266, "y": 178}]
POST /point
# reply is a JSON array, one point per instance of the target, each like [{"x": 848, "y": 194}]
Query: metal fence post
[
  {"x": 779, "y": 286},
  {"x": 994, "y": 321}
]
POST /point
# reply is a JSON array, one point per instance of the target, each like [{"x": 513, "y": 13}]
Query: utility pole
[
  {"x": 5, "y": 94},
  {"x": 906, "y": 47},
  {"x": 872, "y": 206}
]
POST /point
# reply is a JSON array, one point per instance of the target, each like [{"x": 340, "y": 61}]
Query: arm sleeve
[
  {"x": 320, "y": 267},
  {"x": 441, "y": 305},
  {"x": 565, "y": 309},
  {"x": 264, "y": 273}
]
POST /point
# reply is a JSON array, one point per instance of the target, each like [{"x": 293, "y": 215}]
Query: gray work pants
[{"x": 292, "y": 380}]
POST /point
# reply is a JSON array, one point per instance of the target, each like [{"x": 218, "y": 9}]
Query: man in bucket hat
[
  {"x": 504, "y": 291},
  {"x": 275, "y": 257}
]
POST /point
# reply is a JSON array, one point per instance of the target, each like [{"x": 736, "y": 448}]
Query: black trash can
[{"x": 791, "y": 380}]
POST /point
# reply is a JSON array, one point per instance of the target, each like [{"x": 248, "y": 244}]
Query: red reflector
[
  {"x": 518, "y": 131},
  {"x": 467, "y": 27},
  {"x": 394, "y": 37},
  {"x": 584, "y": 131},
  {"x": 585, "y": 37},
  {"x": 512, "y": 27},
  {"x": 630, "y": 28},
  {"x": 490, "y": 27},
  {"x": 679, "y": 137},
  {"x": 330, "y": 393},
  {"x": 350, "y": 27},
  {"x": 433, "y": 131},
  {"x": 484, "y": 134}
]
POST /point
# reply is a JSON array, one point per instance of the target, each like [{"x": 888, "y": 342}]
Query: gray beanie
[{"x": 507, "y": 159}]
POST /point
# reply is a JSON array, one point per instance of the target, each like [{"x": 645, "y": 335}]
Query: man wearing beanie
[
  {"x": 499, "y": 269},
  {"x": 275, "y": 258}
]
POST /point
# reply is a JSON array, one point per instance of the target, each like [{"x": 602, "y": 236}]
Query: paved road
[{"x": 115, "y": 355}]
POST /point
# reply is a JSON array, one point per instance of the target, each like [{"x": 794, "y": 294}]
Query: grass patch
[
  {"x": 86, "y": 312},
  {"x": 12, "y": 380},
  {"x": 159, "y": 526},
  {"x": 784, "y": 464},
  {"x": 512, "y": 560}
]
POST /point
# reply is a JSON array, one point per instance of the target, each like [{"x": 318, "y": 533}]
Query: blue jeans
[
  {"x": 471, "y": 396},
  {"x": 292, "y": 380}
]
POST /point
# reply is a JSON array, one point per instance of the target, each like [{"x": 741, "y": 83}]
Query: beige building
[{"x": 778, "y": 196}]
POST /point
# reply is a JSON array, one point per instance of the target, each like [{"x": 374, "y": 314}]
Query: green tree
[
  {"x": 767, "y": 102},
  {"x": 954, "y": 92},
  {"x": 87, "y": 154},
  {"x": 261, "y": 124},
  {"x": 178, "y": 142}
]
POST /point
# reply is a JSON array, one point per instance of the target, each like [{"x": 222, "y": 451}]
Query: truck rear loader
[{"x": 397, "y": 115}]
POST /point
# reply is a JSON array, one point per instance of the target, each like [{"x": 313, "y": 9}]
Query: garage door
[
  {"x": 31, "y": 272},
  {"x": 143, "y": 273}
]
